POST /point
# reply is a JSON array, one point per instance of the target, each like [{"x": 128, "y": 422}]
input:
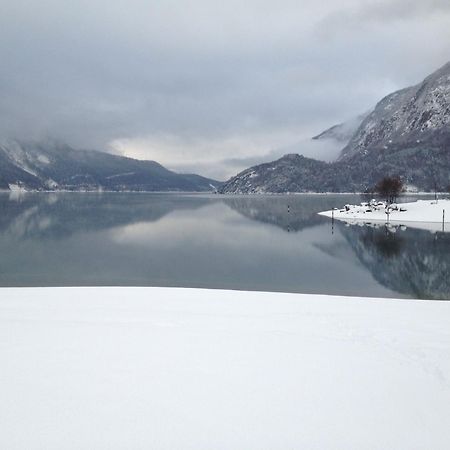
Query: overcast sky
[{"x": 204, "y": 85}]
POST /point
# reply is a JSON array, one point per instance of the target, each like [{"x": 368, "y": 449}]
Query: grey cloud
[
  {"x": 169, "y": 77},
  {"x": 401, "y": 9},
  {"x": 380, "y": 12}
]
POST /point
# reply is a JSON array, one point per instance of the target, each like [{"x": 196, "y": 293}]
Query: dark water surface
[{"x": 268, "y": 243}]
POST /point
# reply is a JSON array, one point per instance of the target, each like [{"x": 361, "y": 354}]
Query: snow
[
  {"x": 18, "y": 156},
  {"x": 164, "y": 368},
  {"x": 51, "y": 184},
  {"x": 424, "y": 214},
  {"x": 125, "y": 174},
  {"x": 16, "y": 188},
  {"x": 43, "y": 159}
]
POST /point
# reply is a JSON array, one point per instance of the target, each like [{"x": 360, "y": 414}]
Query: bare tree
[{"x": 389, "y": 188}]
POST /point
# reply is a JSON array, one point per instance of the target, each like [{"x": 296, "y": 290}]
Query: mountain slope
[
  {"x": 407, "y": 118},
  {"x": 53, "y": 165},
  {"x": 407, "y": 134},
  {"x": 291, "y": 173}
]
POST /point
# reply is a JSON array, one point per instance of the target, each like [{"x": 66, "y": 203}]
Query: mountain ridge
[
  {"x": 54, "y": 165},
  {"x": 406, "y": 134}
]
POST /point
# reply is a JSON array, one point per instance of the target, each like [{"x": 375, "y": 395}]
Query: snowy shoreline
[
  {"x": 427, "y": 214},
  {"x": 165, "y": 368}
]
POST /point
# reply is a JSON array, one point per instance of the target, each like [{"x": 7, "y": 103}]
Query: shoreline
[
  {"x": 432, "y": 212},
  {"x": 218, "y": 194}
]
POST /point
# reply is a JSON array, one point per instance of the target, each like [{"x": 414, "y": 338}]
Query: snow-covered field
[
  {"x": 162, "y": 368},
  {"x": 426, "y": 214}
]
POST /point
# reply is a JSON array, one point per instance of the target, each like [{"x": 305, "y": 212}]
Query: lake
[{"x": 267, "y": 243}]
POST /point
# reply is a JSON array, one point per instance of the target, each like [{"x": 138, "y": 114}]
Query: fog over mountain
[{"x": 204, "y": 86}]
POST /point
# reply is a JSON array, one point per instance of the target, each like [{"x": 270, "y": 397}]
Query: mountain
[
  {"x": 407, "y": 134},
  {"x": 408, "y": 118},
  {"x": 55, "y": 166},
  {"x": 290, "y": 173}
]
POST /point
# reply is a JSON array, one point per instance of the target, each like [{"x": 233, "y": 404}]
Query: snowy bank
[
  {"x": 162, "y": 368},
  {"x": 426, "y": 214}
]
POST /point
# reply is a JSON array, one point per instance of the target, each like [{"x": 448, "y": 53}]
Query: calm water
[{"x": 270, "y": 243}]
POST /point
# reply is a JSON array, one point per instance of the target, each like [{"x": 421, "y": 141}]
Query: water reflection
[
  {"x": 59, "y": 215},
  {"x": 411, "y": 261},
  {"x": 387, "y": 243},
  {"x": 289, "y": 212},
  {"x": 273, "y": 243}
]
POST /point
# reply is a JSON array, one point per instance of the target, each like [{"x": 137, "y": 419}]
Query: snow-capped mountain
[
  {"x": 55, "y": 166},
  {"x": 407, "y": 134},
  {"x": 416, "y": 115}
]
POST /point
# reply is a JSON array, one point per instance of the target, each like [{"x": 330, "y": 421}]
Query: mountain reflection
[
  {"x": 54, "y": 215},
  {"x": 411, "y": 261},
  {"x": 60, "y": 215},
  {"x": 289, "y": 212},
  {"x": 385, "y": 241}
]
